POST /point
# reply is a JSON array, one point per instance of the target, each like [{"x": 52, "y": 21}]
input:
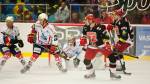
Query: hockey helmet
[
  {"x": 89, "y": 17},
  {"x": 9, "y": 18},
  {"x": 120, "y": 12},
  {"x": 43, "y": 16}
]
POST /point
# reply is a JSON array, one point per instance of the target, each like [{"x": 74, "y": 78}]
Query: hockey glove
[
  {"x": 20, "y": 43},
  {"x": 31, "y": 38},
  {"x": 83, "y": 41},
  {"x": 109, "y": 27}
]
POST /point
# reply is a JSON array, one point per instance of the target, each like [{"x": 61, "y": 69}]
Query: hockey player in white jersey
[
  {"x": 43, "y": 37},
  {"x": 73, "y": 50},
  {"x": 9, "y": 37}
]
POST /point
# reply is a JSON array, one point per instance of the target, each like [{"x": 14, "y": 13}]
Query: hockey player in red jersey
[
  {"x": 124, "y": 33},
  {"x": 95, "y": 33},
  {"x": 43, "y": 37},
  {"x": 121, "y": 27},
  {"x": 9, "y": 37}
]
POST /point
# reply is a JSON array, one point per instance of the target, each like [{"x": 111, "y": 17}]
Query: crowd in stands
[{"x": 65, "y": 11}]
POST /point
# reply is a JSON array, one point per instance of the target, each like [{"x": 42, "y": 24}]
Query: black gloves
[{"x": 20, "y": 43}]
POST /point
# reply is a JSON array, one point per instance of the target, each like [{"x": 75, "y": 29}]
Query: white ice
[{"x": 42, "y": 73}]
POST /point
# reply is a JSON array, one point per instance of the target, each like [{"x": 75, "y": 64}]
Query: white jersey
[
  {"x": 1, "y": 35},
  {"x": 44, "y": 35},
  {"x": 72, "y": 50},
  {"x": 13, "y": 33}
]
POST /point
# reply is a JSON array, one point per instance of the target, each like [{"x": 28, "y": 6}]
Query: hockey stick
[
  {"x": 123, "y": 66},
  {"x": 4, "y": 33},
  {"x": 62, "y": 54},
  {"x": 130, "y": 55}
]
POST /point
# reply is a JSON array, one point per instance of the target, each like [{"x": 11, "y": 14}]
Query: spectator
[
  {"x": 19, "y": 9},
  {"x": 74, "y": 7},
  {"x": 75, "y": 18},
  {"x": 53, "y": 6},
  {"x": 22, "y": 11},
  {"x": 8, "y": 9},
  {"x": 112, "y": 1},
  {"x": 62, "y": 13},
  {"x": 88, "y": 10},
  {"x": 76, "y": 1},
  {"x": 105, "y": 18},
  {"x": 0, "y": 8},
  {"x": 92, "y": 1},
  {"x": 145, "y": 18},
  {"x": 1, "y": 1},
  {"x": 104, "y": 3},
  {"x": 28, "y": 16},
  {"x": 94, "y": 7}
]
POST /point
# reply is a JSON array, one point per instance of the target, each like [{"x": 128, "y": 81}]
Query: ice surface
[{"x": 41, "y": 73}]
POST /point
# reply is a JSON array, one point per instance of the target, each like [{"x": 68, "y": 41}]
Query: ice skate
[
  {"x": 2, "y": 64},
  {"x": 60, "y": 67},
  {"x": 114, "y": 76},
  {"x": 76, "y": 62},
  {"x": 26, "y": 68},
  {"x": 23, "y": 62},
  {"x": 121, "y": 68},
  {"x": 90, "y": 74}
]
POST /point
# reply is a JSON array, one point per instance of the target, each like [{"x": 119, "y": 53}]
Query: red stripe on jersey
[
  {"x": 38, "y": 37},
  {"x": 49, "y": 39}
]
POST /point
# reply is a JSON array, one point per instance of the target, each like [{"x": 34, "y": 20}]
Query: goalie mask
[{"x": 71, "y": 41}]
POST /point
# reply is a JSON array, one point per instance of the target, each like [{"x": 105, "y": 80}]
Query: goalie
[{"x": 73, "y": 50}]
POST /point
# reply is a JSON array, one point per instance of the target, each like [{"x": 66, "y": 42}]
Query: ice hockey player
[
  {"x": 124, "y": 33},
  {"x": 10, "y": 36},
  {"x": 43, "y": 37},
  {"x": 95, "y": 35},
  {"x": 73, "y": 50}
]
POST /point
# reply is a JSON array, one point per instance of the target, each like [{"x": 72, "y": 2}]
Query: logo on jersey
[{"x": 92, "y": 36}]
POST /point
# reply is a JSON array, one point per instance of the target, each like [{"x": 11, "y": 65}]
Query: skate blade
[
  {"x": 126, "y": 73},
  {"x": 24, "y": 70},
  {"x": 115, "y": 78},
  {"x": 89, "y": 77},
  {"x": 64, "y": 70}
]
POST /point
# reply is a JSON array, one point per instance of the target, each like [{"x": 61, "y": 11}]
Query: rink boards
[{"x": 65, "y": 30}]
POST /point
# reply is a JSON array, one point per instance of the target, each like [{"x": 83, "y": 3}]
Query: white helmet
[
  {"x": 43, "y": 16},
  {"x": 9, "y": 18}
]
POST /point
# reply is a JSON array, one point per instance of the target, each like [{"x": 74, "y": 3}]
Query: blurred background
[{"x": 72, "y": 11}]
